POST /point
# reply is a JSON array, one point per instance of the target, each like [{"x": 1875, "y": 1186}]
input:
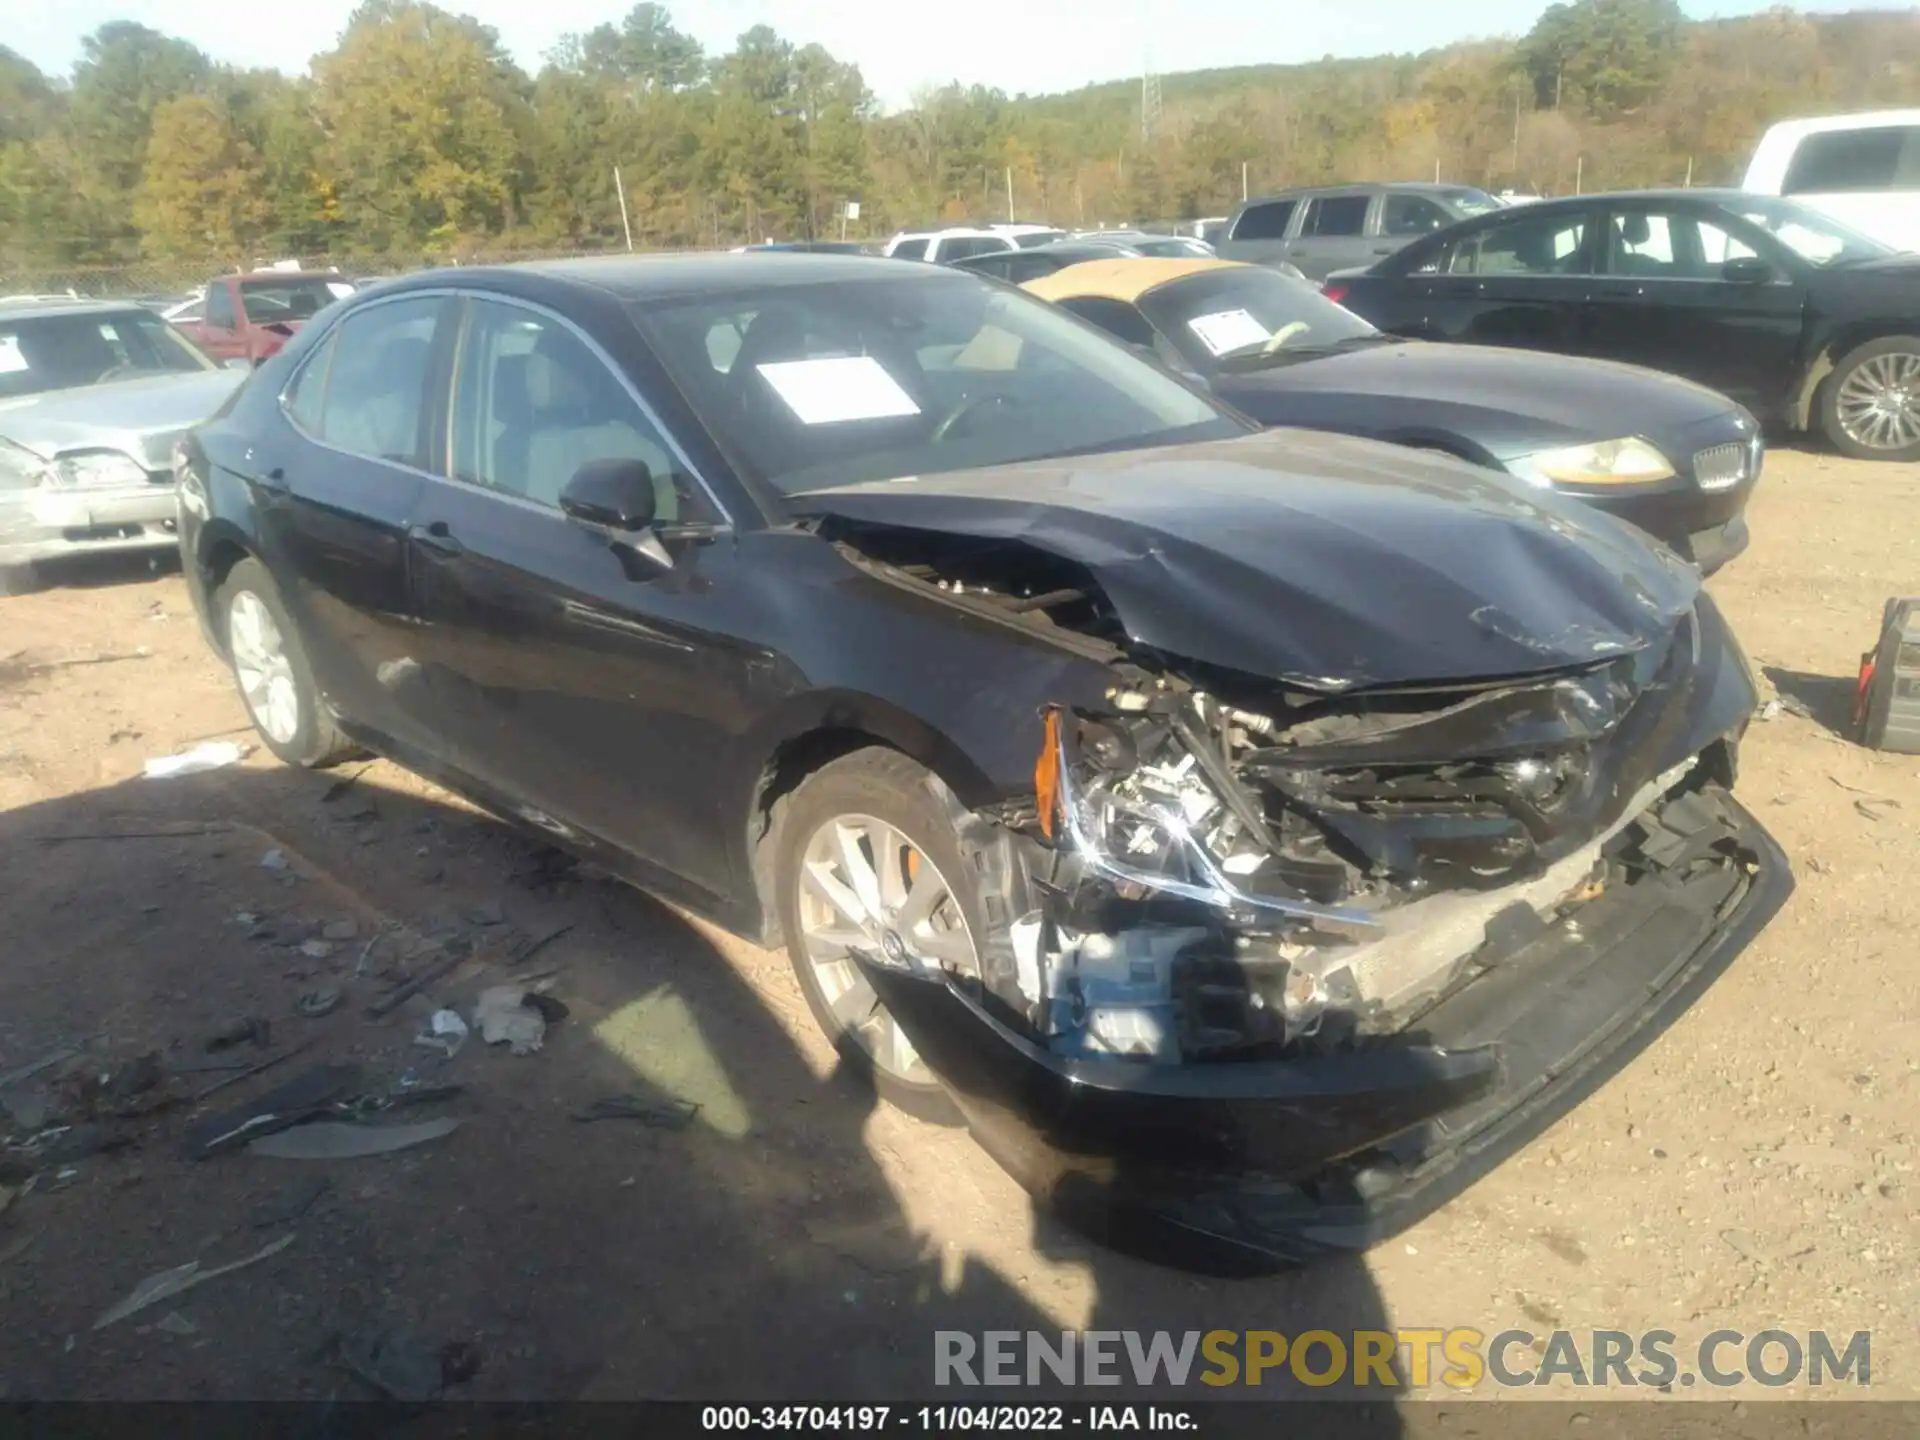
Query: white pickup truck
[{"x": 1863, "y": 170}]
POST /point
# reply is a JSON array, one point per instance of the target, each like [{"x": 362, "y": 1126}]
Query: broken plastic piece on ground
[
  {"x": 445, "y": 1032},
  {"x": 316, "y": 949},
  {"x": 238, "y": 1032},
  {"x": 347, "y": 929},
  {"x": 331, "y": 1140},
  {"x": 316, "y": 1003},
  {"x": 404, "y": 1367},
  {"x": 503, "y": 1016},
  {"x": 26, "y": 1111},
  {"x": 78, "y": 1142},
  {"x": 34, "y": 1067},
  {"x": 291, "y": 1203},
  {"x": 488, "y": 914},
  {"x": 275, "y": 859},
  {"x": 669, "y": 1114},
  {"x": 208, "y": 755},
  {"x": 304, "y": 1096},
  {"x": 168, "y": 1283}
]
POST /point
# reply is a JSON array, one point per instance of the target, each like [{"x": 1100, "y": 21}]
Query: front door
[
  {"x": 336, "y": 488},
  {"x": 570, "y": 675},
  {"x": 1674, "y": 296},
  {"x": 1519, "y": 282}
]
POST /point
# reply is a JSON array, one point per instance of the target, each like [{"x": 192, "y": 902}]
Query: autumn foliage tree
[
  {"x": 201, "y": 191},
  {"x": 418, "y": 137}
]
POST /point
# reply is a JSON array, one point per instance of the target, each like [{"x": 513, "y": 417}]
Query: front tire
[
  {"x": 1870, "y": 404},
  {"x": 271, "y": 671},
  {"x": 868, "y": 859}
]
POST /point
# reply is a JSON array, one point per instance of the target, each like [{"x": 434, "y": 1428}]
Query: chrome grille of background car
[{"x": 1720, "y": 466}]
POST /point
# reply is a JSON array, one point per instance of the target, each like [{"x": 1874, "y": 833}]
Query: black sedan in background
[
  {"x": 1810, "y": 325},
  {"x": 1255, "y": 835},
  {"x": 1675, "y": 459}
]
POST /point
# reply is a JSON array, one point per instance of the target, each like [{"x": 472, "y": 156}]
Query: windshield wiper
[{"x": 1260, "y": 358}]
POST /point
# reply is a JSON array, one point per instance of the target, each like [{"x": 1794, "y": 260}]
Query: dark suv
[{"x": 1334, "y": 227}]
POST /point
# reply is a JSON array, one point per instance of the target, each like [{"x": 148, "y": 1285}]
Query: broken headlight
[{"x": 1142, "y": 812}]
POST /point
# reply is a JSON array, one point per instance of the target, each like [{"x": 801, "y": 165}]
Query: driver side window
[
  {"x": 220, "y": 306},
  {"x": 533, "y": 403}
]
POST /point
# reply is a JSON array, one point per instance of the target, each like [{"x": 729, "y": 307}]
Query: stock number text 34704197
[{"x": 922, "y": 1419}]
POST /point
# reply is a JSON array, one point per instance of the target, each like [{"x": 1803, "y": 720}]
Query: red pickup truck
[{"x": 250, "y": 316}]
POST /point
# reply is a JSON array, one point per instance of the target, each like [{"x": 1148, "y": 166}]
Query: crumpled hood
[
  {"x": 1322, "y": 561},
  {"x": 141, "y": 417},
  {"x": 1523, "y": 399}
]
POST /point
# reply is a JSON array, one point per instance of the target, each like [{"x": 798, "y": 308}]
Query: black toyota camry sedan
[
  {"x": 1675, "y": 458},
  {"x": 1809, "y": 324},
  {"x": 1253, "y": 835}
]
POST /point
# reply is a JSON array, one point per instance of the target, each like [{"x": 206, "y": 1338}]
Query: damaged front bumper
[{"x": 1249, "y": 1165}]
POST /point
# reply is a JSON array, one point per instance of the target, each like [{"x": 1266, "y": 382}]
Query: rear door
[
  {"x": 588, "y": 687},
  {"x": 222, "y": 329},
  {"x": 1404, "y": 217},
  {"x": 1520, "y": 281},
  {"x": 1332, "y": 233},
  {"x": 1259, "y": 231},
  {"x": 1667, "y": 300},
  {"x": 335, "y": 494}
]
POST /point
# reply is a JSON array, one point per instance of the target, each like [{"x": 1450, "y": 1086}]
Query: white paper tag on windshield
[
  {"x": 827, "y": 392},
  {"x": 1226, "y": 330},
  {"x": 11, "y": 360}
]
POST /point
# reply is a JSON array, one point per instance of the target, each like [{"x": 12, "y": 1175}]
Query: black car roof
[{"x": 640, "y": 277}]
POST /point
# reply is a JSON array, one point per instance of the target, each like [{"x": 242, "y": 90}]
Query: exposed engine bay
[{"x": 1221, "y": 867}]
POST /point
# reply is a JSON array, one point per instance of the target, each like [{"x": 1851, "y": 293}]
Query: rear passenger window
[
  {"x": 911, "y": 249},
  {"x": 1267, "y": 221},
  {"x": 961, "y": 246},
  {"x": 1839, "y": 162},
  {"x": 376, "y": 380},
  {"x": 1535, "y": 245},
  {"x": 1412, "y": 215},
  {"x": 1335, "y": 215},
  {"x": 308, "y": 394}
]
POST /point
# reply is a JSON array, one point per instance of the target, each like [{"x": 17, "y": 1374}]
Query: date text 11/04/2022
[{"x": 940, "y": 1419}]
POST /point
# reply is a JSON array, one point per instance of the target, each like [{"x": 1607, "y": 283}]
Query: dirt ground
[{"x": 1755, "y": 1169}]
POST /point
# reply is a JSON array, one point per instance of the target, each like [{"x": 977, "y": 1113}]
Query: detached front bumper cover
[{"x": 1245, "y": 1168}]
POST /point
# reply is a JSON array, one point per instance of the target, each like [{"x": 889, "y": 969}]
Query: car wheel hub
[
  {"x": 261, "y": 665},
  {"x": 1879, "y": 402},
  {"x": 866, "y": 889}
]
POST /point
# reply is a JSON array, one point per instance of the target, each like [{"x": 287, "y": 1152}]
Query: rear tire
[
  {"x": 270, "y": 669},
  {"x": 889, "y": 810},
  {"x": 1869, "y": 407}
]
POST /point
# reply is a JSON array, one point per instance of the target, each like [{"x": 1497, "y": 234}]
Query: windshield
[
  {"x": 1815, "y": 238},
  {"x": 808, "y": 386},
  {"x": 39, "y": 353},
  {"x": 1243, "y": 311},
  {"x": 1038, "y": 237},
  {"x": 268, "y": 301}
]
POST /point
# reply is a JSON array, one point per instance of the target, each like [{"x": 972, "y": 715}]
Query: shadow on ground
[
  {"x": 759, "y": 1253},
  {"x": 1827, "y": 700}
]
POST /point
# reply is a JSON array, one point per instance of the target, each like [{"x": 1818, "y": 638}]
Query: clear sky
[{"x": 899, "y": 45}]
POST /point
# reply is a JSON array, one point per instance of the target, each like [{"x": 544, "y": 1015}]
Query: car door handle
[{"x": 438, "y": 537}]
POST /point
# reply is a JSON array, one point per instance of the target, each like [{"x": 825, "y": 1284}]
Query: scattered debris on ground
[
  {"x": 208, "y": 755},
  {"x": 179, "y": 1280},
  {"x": 404, "y": 1367},
  {"x": 672, "y": 1114},
  {"x": 333, "y": 1140}
]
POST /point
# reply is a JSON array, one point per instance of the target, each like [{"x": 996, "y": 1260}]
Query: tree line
[{"x": 418, "y": 137}]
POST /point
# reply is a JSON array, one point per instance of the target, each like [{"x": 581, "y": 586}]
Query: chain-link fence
[
  {"x": 157, "y": 279},
  {"x": 168, "y": 279}
]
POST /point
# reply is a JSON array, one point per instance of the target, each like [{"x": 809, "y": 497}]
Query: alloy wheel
[
  {"x": 262, "y": 666},
  {"x": 1878, "y": 404},
  {"x": 865, "y": 887}
]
